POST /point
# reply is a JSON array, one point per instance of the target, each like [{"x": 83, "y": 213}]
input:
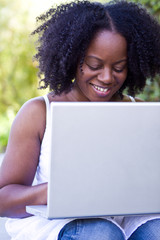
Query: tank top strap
[
  {"x": 47, "y": 109},
  {"x": 132, "y": 99}
]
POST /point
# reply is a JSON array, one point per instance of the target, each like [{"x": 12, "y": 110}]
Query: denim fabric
[
  {"x": 101, "y": 229},
  {"x": 148, "y": 231},
  {"x": 91, "y": 229}
]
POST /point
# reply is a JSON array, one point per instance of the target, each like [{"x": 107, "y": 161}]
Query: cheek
[
  {"x": 122, "y": 78},
  {"x": 84, "y": 76},
  {"x": 79, "y": 76},
  {"x": 120, "y": 81}
]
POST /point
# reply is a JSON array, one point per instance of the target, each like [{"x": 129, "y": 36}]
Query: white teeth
[{"x": 100, "y": 88}]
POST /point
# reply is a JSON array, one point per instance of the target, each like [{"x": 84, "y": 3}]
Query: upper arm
[{"x": 22, "y": 154}]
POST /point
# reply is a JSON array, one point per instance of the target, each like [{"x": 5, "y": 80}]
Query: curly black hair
[{"x": 67, "y": 30}]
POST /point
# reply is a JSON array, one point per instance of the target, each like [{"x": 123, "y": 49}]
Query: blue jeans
[
  {"x": 101, "y": 229},
  {"x": 148, "y": 231}
]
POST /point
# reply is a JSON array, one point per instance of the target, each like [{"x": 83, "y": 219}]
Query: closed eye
[
  {"x": 119, "y": 70},
  {"x": 94, "y": 68}
]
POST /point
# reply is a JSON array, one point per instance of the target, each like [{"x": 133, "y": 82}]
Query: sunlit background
[
  {"x": 37, "y": 7},
  {"x": 18, "y": 73}
]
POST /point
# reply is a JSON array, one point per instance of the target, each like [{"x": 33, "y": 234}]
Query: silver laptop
[{"x": 104, "y": 160}]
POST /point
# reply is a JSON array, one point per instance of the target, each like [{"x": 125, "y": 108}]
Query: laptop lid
[{"x": 104, "y": 159}]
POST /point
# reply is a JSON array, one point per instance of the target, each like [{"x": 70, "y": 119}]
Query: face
[{"x": 104, "y": 69}]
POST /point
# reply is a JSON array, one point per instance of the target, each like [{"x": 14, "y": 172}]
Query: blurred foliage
[
  {"x": 18, "y": 74},
  {"x": 152, "y": 5},
  {"x": 5, "y": 123},
  {"x": 152, "y": 89}
]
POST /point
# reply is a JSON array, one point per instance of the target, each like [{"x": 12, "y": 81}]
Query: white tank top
[
  {"x": 42, "y": 168},
  {"x": 132, "y": 99}
]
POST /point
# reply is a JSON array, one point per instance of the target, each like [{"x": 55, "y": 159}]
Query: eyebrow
[{"x": 123, "y": 60}]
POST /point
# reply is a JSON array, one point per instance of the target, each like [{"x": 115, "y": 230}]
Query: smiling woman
[{"x": 104, "y": 69}]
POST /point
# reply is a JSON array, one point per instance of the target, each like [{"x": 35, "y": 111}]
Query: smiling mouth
[{"x": 100, "y": 89}]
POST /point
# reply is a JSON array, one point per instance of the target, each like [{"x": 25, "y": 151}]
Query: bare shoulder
[
  {"x": 32, "y": 115},
  {"x": 138, "y": 99},
  {"x": 33, "y": 107},
  {"x": 22, "y": 154},
  {"x": 127, "y": 98}
]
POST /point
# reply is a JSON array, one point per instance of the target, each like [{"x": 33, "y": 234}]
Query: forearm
[{"x": 14, "y": 198}]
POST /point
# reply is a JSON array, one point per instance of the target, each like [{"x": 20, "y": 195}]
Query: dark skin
[{"x": 104, "y": 72}]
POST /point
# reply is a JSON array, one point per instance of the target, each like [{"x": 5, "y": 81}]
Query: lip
[{"x": 101, "y": 91}]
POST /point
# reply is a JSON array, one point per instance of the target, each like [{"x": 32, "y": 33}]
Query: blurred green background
[{"x": 18, "y": 73}]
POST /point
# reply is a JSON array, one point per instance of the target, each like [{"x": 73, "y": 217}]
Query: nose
[{"x": 105, "y": 76}]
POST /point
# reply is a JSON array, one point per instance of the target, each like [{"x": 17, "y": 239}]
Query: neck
[
  {"x": 75, "y": 95},
  {"x": 116, "y": 98}
]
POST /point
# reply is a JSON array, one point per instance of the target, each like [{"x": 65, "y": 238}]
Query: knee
[
  {"x": 104, "y": 230},
  {"x": 150, "y": 231},
  {"x": 91, "y": 229}
]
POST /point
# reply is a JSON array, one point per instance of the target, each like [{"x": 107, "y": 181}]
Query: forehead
[{"x": 107, "y": 44}]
